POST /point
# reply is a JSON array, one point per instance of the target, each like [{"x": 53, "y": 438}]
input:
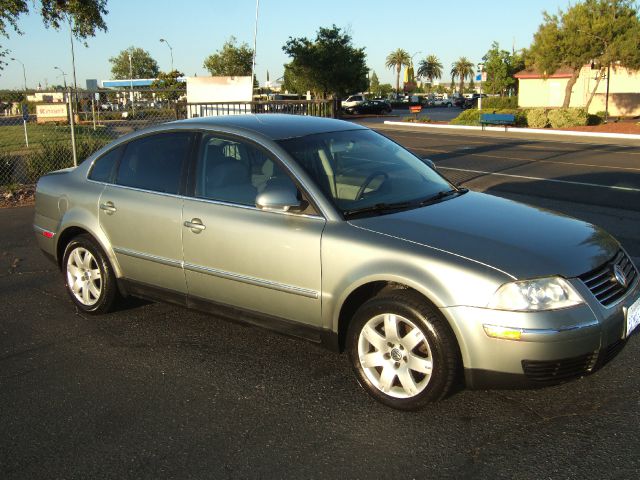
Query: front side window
[
  {"x": 359, "y": 169},
  {"x": 234, "y": 172},
  {"x": 154, "y": 162}
]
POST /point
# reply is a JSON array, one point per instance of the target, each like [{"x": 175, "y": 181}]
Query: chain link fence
[{"x": 36, "y": 138}]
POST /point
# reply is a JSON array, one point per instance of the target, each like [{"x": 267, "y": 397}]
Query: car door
[
  {"x": 238, "y": 255},
  {"x": 141, "y": 212}
]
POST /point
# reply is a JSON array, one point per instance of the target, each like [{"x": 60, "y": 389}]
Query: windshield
[{"x": 361, "y": 169}]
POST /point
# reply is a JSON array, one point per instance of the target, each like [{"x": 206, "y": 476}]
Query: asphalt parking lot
[{"x": 155, "y": 391}]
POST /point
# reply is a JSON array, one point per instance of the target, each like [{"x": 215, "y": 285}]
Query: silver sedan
[{"x": 328, "y": 231}]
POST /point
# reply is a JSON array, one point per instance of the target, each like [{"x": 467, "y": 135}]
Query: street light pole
[
  {"x": 64, "y": 77},
  {"x": 255, "y": 41},
  {"x": 24, "y": 72},
  {"x": 73, "y": 64},
  {"x": 133, "y": 108},
  {"x": 162, "y": 40}
]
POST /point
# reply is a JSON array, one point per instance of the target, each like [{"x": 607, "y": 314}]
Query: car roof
[{"x": 274, "y": 126}]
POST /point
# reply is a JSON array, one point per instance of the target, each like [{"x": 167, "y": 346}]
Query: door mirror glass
[{"x": 279, "y": 195}]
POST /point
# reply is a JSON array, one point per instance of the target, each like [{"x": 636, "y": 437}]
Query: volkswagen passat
[{"x": 328, "y": 231}]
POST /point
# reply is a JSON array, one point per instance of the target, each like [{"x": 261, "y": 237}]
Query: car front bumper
[{"x": 555, "y": 345}]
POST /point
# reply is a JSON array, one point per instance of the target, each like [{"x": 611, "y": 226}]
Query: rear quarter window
[{"x": 103, "y": 168}]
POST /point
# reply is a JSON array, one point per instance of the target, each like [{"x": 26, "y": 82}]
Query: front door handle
[
  {"x": 108, "y": 207},
  {"x": 195, "y": 225}
]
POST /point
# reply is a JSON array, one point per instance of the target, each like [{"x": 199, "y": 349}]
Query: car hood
[{"x": 521, "y": 240}]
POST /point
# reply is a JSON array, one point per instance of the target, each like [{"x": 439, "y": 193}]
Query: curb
[{"x": 628, "y": 136}]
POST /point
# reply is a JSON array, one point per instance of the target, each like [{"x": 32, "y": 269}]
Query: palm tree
[
  {"x": 430, "y": 68},
  {"x": 461, "y": 69},
  {"x": 398, "y": 59}
]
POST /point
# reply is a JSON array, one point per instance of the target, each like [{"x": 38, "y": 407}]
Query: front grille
[
  {"x": 553, "y": 371},
  {"x": 602, "y": 281},
  {"x": 549, "y": 372}
]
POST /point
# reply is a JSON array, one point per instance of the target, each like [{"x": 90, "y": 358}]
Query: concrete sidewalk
[{"x": 527, "y": 133}]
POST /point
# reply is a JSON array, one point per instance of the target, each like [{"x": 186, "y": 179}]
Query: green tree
[
  {"x": 171, "y": 88},
  {"x": 142, "y": 64},
  {"x": 461, "y": 69},
  {"x": 231, "y": 61},
  {"x": 386, "y": 89},
  {"x": 497, "y": 66},
  {"x": 430, "y": 68},
  {"x": 601, "y": 31},
  {"x": 374, "y": 84},
  {"x": 397, "y": 59},
  {"x": 330, "y": 64},
  {"x": 84, "y": 16}
]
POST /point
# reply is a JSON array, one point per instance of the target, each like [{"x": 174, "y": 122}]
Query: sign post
[
  {"x": 415, "y": 109},
  {"x": 480, "y": 77},
  {"x": 25, "y": 117}
]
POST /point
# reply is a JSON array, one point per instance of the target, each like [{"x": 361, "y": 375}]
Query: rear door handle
[
  {"x": 195, "y": 225},
  {"x": 108, "y": 207}
]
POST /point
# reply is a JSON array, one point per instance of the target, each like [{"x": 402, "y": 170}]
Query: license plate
[{"x": 633, "y": 316}]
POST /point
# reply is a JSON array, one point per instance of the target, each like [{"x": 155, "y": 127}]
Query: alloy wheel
[{"x": 395, "y": 355}]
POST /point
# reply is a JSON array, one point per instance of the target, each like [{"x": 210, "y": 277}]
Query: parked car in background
[
  {"x": 329, "y": 231},
  {"x": 353, "y": 100},
  {"x": 441, "y": 102},
  {"x": 370, "y": 106}
]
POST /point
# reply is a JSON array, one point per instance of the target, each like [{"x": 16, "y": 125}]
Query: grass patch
[{"x": 12, "y": 136}]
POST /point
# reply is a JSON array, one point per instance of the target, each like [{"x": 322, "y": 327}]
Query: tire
[
  {"x": 89, "y": 278},
  {"x": 416, "y": 363}
]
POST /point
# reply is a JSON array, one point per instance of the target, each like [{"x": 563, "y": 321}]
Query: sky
[{"x": 197, "y": 28}]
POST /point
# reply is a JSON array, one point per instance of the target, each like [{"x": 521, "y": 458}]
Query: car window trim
[{"x": 191, "y": 182}]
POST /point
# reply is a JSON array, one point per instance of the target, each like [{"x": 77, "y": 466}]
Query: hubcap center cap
[{"x": 396, "y": 354}]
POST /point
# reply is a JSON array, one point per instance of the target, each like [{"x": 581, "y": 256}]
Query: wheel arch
[
  {"x": 370, "y": 289},
  {"x": 72, "y": 230}
]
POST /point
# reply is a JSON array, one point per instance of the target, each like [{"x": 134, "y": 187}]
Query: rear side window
[
  {"x": 154, "y": 162},
  {"x": 102, "y": 170}
]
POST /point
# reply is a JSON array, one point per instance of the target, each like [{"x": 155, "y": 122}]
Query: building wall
[{"x": 624, "y": 91}]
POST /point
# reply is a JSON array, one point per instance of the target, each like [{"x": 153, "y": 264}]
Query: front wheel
[
  {"x": 89, "y": 278},
  {"x": 402, "y": 350}
]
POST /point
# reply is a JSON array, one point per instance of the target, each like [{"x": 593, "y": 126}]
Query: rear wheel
[
  {"x": 89, "y": 278},
  {"x": 402, "y": 351}
]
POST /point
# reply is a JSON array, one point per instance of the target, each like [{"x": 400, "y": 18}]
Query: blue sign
[
  {"x": 25, "y": 112},
  {"x": 478, "y": 77}
]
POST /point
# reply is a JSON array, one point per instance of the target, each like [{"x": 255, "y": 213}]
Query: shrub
[
  {"x": 537, "y": 118},
  {"x": 7, "y": 168},
  {"x": 56, "y": 155},
  {"x": 567, "y": 117},
  {"x": 472, "y": 116},
  {"x": 468, "y": 117},
  {"x": 499, "y": 103},
  {"x": 423, "y": 119},
  {"x": 596, "y": 119}
]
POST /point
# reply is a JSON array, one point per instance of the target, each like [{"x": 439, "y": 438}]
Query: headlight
[{"x": 535, "y": 295}]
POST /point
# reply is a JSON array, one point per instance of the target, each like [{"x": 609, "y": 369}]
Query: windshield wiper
[
  {"x": 382, "y": 208},
  {"x": 443, "y": 194},
  {"x": 379, "y": 208}
]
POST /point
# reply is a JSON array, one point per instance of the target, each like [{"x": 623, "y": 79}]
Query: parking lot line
[{"x": 540, "y": 179}]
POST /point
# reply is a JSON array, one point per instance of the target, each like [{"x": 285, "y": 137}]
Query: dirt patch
[
  {"x": 17, "y": 196},
  {"x": 629, "y": 127}
]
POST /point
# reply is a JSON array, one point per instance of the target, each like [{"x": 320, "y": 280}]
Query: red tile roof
[{"x": 562, "y": 72}]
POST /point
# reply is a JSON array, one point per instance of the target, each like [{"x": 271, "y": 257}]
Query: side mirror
[
  {"x": 429, "y": 163},
  {"x": 279, "y": 195}
]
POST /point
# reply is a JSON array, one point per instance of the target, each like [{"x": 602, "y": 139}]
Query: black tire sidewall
[
  {"x": 109, "y": 289},
  {"x": 437, "y": 333}
]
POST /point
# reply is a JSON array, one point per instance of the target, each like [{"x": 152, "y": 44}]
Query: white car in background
[{"x": 353, "y": 100}]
